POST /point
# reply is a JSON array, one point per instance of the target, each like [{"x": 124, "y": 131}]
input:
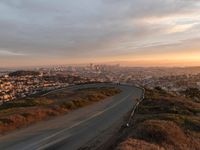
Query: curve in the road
[{"x": 73, "y": 130}]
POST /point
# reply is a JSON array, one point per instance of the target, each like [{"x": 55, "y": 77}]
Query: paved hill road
[{"x": 71, "y": 131}]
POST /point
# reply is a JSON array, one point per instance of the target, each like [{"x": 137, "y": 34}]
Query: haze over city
[{"x": 129, "y": 32}]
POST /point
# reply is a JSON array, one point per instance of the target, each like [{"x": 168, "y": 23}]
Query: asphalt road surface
[{"x": 73, "y": 130}]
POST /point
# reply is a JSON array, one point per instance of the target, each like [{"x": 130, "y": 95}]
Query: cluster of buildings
[
  {"x": 176, "y": 83},
  {"x": 169, "y": 79},
  {"x": 22, "y": 84}
]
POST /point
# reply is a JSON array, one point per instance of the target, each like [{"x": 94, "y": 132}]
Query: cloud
[
  {"x": 10, "y": 53},
  {"x": 91, "y": 28},
  {"x": 180, "y": 28}
]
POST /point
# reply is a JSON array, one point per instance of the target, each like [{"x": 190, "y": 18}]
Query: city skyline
[{"x": 132, "y": 33}]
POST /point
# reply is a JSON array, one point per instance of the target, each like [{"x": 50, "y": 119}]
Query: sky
[{"x": 130, "y": 32}]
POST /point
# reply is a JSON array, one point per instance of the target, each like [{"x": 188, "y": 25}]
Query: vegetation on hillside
[
  {"x": 193, "y": 93},
  {"x": 163, "y": 122},
  {"x": 20, "y": 113}
]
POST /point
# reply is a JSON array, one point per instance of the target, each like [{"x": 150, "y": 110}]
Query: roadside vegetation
[
  {"x": 162, "y": 122},
  {"x": 21, "y": 113}
]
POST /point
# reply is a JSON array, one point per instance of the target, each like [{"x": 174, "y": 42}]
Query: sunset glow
[{"x": 136, "y": 32}]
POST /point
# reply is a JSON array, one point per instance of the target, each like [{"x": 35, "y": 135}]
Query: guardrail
[{"x": 136, "y": 105}]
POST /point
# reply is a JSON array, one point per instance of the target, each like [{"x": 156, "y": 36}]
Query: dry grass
[
  {"x": 25, "y": 118},
  {"x": 166, "y": 134},
  {"x": 135, "y": 144},
  {"x": 163, "y": 121},
  {"x": 21, "y": 113}
]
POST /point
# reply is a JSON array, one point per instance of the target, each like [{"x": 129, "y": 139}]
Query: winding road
[{"x": 73, "y": 130}]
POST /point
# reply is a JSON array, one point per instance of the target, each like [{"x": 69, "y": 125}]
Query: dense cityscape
[{"x": 20, "y": 84}]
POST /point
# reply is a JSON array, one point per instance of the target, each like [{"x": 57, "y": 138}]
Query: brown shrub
[
  {"x": 134, "y": 144},
  {"x": 168, "y": 105},
  {"x": 165, "y": 133},
  {"x": 163, "y": 119},
  {"x": 24, "y": 119}
]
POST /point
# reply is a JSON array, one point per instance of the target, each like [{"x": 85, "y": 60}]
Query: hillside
[
  {"x": 23, "y": 112},
  {"x": 162, "y": 122}
]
